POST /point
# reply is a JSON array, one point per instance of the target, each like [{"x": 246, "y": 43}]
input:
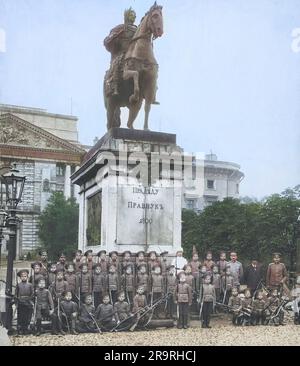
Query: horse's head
[{"x": 155, "y": 20}]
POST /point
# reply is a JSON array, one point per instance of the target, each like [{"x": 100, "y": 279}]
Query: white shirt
[{"x": 179, "y": 263}]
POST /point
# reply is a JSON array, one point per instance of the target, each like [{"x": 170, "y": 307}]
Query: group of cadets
[{"x": 114, "y": 293}]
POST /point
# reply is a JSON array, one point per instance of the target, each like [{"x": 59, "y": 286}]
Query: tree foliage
[
  {"x": 254, "y": 229},
  {"x": 58, "y": 225}
]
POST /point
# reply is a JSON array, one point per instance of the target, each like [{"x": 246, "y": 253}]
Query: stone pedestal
[{"x": 130, "y": 193}]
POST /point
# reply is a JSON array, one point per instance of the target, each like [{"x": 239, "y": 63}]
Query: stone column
[
  {"x": 67, "y": 186},
  {"x": 76, "y": 188}
]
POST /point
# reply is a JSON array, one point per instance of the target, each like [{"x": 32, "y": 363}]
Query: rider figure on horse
[{"x": 117, "y": 43}]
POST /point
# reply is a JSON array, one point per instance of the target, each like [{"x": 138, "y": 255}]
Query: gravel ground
[{"x": 223, "y": 334}]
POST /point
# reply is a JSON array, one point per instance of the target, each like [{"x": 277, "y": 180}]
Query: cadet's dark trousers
[
  {"x": 158, "y": 308},
  {"x": 24, "y": 316},
  {"x": 297, "y": 318},
  {"x": 113, "y": 295},
  {"x": 206, "y": 312},
  {"x": 171, "y": 307},
  {"x": 98, "y": 298},
  {"x": 183, "y": 308}
]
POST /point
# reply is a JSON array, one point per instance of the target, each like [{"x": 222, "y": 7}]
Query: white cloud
[{"x": 2, "y": 40}]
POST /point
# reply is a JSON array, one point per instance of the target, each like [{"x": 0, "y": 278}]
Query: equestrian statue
[{"x": 133, "y": 72}]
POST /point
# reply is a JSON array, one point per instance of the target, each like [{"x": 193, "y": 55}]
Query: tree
[
  {"x": 254, "y": 229},
  {"x": 58, "y": 225}
]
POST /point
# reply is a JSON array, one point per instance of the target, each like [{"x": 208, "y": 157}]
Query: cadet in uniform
[
  {"x": 184, "y": 300},
  {"x": 157, "y": 289},
  {"x": 276, "y": 273},
  {"x": 235, "y": 305},
  {"x": 209, "y": 298},
  {"x": 171, "y": 283},
  {"x": 164, "y": 263},
  {"x": 128, "y": 284},
  {"x": 113, "y": 284},
  {"x": 24, "y": 296},
  {"x": 37, "y": 275},
  {"x": 103, "y": 261},
  {"x": 86, "y": 320},
  {"x": 60, "y": 265},
  {"x": 105, "y": 314},
  {"x": 51, "y": 274},
  {"x": 209, "y": 263},
  {"x": 122, "y": 311},
  {"x": 143, "y": 279},
  {"x": 84, "y": 281},
  {"x": 77, "y": 261},
  {"x": 59, "y": 286},
  {"x": 44, "y": 307},
  {"x": 69, "y": 310},
  {"x": 89, "y": 260},
  {"x": 71, "y": 279},
  {"x": 140, "y": 260},
  {"x": 216, "y": 281},
  {"x": 99, "y": 284},
  {"x": 258, "y": 314}
]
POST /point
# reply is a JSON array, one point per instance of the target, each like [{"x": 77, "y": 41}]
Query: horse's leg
[
  {"x": 133, "y": 112},
  {"x": 110, "y": 113},
  {"x": 149, "y": 94},
  {"x": 131, "y": 74}
]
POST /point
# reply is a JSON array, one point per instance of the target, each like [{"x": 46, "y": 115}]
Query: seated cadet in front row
[
  {"x": 184, "y": 299},
  {"x": 86, "y": 320},
  {"x": 235, "y": 305},
  {"x": 122, "y": 312},
  {"x": 24, "y": 296},
  {"x": 69, "y": 312},
  {"x": 139, "y": 303},
  {"x": 258, "y": 314},
  {"x": 247, "y": 307},
  {"x": 105, "y": 315}
]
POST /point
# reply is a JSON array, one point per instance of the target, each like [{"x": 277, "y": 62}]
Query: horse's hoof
[{"x": 146, "y": 129}]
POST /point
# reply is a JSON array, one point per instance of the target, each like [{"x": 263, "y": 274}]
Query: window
[
  {"x": 190, "y": 204},
  {"x": 210, "y": 184},
  {"x": 60, "y": 170},
  {"x": 46, "y": 185}
]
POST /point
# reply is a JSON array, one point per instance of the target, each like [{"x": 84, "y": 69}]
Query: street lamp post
[
  {"x": 14, "y": 185},
  {"x": 3, "y": 216}
]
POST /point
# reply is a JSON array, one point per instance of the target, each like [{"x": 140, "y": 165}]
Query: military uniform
[
  {"x": 276, "y": 275},
  {"x": 122, "y": 314},
  {"x": 236, "y": 269},
  {"x": 113, "y": 284},
  {"x": 84, "y": 281},
  {"x": 51, "y": 277},
  {"x": 104, "y": 315},
  {"x": 222, "y": 265},
  {"x": 209, "y": 298},
  {"x": 44, "y": 304},
  {"x": 209, "y": 264},
  {"x": 143, "y": 280},
  {"x": 184, "y": 300},
  {"x": 235, "y": 304},
  {"x": 227, "y": 283},
  {"x": 247, "y": 310},
  {"x": 24, "y": 295},
  {"x": 139, "y": 305},
  {"x": 85, "y": 322},
  {"x": 157, "y": 290},
  {"x": 58, "y": 288},
  {"x": 258, "y": 315},
  {"x": 103, "y": 261},
  {"x": 216, "y": 281},
  {"x": 171, "y": 283},
  {"x": 69, "y": 310},
  {"x": 99, "y": 282},
  {"x": 71, "y": 280},
  {"x": 128, "y": 286}
]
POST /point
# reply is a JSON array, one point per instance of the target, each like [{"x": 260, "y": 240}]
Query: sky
[{"x": 229, "y": 75}]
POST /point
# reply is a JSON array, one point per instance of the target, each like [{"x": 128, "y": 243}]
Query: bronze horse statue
[{"x": 139, "y": 73}]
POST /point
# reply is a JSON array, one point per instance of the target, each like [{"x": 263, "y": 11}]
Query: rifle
[
  {"x": 152, "y": 307},
  {"x": 93, "y": 319},
  {"x": 34, "y": 311},
  {"x": 242, "y": 312}
]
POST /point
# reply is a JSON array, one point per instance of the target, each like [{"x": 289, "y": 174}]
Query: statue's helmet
[{"x": 129, "y": 15}]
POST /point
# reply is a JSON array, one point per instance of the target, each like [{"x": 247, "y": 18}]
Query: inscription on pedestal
[{"x": 145, "y": 215}]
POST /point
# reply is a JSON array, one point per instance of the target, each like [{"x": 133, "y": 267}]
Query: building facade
[
  {"x": 221, "y": 180},
  {"x": 46, "y": 150}
]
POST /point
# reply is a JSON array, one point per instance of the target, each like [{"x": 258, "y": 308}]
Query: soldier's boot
[
  {"x": 180, "y": 321},
  {"x": 38, "y": 327},
  {"x": 73, "y": 327}
]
